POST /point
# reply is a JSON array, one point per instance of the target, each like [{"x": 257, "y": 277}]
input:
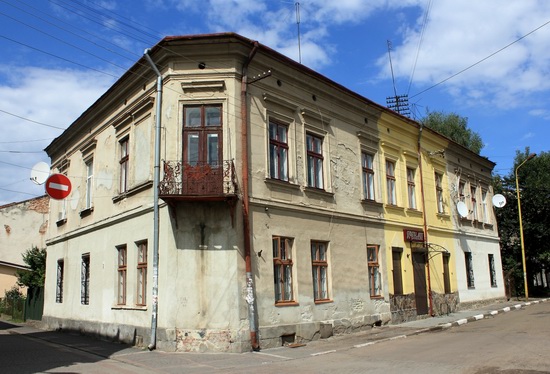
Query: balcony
[{"x": 198, "y": 182}]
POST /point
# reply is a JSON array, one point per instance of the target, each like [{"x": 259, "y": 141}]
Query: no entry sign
[{"x": 58, "y": 186}]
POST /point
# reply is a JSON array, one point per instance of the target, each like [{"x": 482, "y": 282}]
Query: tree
[
  {"x": 534, "y": 186},
  {"x": 455, "y": 128},
  {"x": 36, "y": 261}
]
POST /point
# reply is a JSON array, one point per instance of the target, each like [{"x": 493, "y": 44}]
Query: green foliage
[
  {"x": 455, "y": 128},
  {"x": 36, "y": 261},
  {"x": 534, "y": 185}
]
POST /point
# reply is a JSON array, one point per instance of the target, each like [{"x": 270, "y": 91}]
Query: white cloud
[{"x": 49, "y": 96}]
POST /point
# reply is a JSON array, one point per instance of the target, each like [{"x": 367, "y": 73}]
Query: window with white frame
[
  {"x": 484, "y": 206},
  {"x": 89, "y": 182},
  {"x": 124, "y": 163},
  {"x": 314, "y": 161},
  {"x": 85, "y": 279},
  {"x": 367, "y": 163},
  {"x": 375, "y": 280},
  {"x": 142, "y": 273},
  {"x": 390, "y": 182},
  {"x": 319, "y": 265},
  {"x": 473, "y": 194},
  {"x": 439, "y": 192},
  {"x": 59, "y": 285},
  {"x": 411, "y": 187},
  {"x": 122, "y": 273},
  {"x": 278, "y": 150},
  {"x": 282, "y": 269}
]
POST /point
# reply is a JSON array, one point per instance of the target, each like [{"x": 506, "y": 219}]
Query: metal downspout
[
  {"x": 250, "y": 299},
  {"x": 156, "y": 180},
  {"x": 419, "y": 155}
]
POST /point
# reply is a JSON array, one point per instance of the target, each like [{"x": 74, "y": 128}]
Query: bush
[{"x": 13, "y": 304}]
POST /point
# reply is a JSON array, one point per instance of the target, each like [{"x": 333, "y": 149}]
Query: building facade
[
  {"x": 276, "y": 221},
  {"x": 24, "y": 226}
]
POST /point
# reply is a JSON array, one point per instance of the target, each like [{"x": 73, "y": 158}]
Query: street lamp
[{"x": 521, "y": 228}]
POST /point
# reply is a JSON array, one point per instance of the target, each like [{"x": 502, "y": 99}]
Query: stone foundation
[
  {"x": 444, "y": 304},
  {"x": 403, "y": 308}
]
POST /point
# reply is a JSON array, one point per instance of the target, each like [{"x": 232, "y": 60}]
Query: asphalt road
[{"x": 516, "y": 341}]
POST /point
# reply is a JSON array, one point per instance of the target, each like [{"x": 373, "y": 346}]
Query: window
[
  {"x": 484, "y": 207},
  {"x": 411, "y": 189},
  {"x": 390, "y": 182},
  {"x": 367, "y": 163},
  {"x": 124, "y": 163},
  {"x": 142, "y": 273},
  {"x": 122, "y": 272},
  {"x": 374, "y": 271},
  {"x": 85, "y": 280},
  {"x": 492, "y": 271},
  {"x": 314, "y": 161},
  {"x": 319, "y": 264},
  {"x": 59, "y": 287},
  {"x": 461, "y": 188},
  {"x": 278, "y": 151},
  {"x": 469, "y": 269},
  {"x": 282, "y": 269},
  {"x": 89, "y": 182},
  {"x": 473, "y": 191},
  {"x": 396, "y": 255},
  {"x": 439, "y": 192},
  {"x": 202, "y": 127},
  {"x": 446, "y": 273}
]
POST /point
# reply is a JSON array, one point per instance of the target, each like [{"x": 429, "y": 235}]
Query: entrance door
[
  {"x": 420, "y": 289},
  {"x": 202, "y": 150}
]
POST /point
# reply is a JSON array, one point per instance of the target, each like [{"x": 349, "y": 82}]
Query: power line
[{"x": 482, "y": 60}]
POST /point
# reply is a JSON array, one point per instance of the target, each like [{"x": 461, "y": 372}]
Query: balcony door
[{"x": 202, "y": 150}]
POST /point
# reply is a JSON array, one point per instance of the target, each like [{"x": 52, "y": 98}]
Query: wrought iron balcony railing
[{"x": 198, "y": 180}]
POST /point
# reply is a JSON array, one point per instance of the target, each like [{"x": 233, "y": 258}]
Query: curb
[{"x": 460, "y": 322}]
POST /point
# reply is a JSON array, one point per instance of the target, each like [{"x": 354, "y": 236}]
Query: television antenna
[
  {"x": 499, "y": 200},
  {"x": 40, "y": 173},
  {"x": 298, "y": 26},
  {"x": 462, "y": 209}
]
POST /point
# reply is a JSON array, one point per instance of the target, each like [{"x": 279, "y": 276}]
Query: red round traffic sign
[{"x": 58, "y": 186}]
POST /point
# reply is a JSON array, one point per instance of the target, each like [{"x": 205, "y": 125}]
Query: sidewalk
[{"x": 164, "y": 362}]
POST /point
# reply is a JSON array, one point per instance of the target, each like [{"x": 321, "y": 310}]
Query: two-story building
[{"x": 287, "y": 206}]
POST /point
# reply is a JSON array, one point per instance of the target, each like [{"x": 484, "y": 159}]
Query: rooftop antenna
[
  {"x": 397, "y": 103},
  {"x": 298, "y": 25}
]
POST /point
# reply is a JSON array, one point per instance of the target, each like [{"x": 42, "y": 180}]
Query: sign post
[{"x": 58, "y": 186}]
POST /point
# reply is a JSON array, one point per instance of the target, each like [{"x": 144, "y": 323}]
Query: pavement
[{"x": 169, "y": 362}]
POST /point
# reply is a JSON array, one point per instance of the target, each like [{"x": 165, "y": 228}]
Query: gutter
[
  {"x": 156, "y": 181},
  {"x": 250, "y": 298},
  {"x": 419, "y": 155}
]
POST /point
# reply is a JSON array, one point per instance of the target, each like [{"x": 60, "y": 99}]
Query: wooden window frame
[
  {"x": 283, "y": 268},
  {"x": 122, "y": 274},
  {"x": 373, "y": 264},
  {"x": 446, "y": 273},
  {"x": 411, "y": 187},
  {"x": 89, "y": 182},
  {"x": 278, "y": 151},
  {"x": 124, "y": 163},
  {"x": 320, "y": 271},
  {"x": 391, "y": 182},
  {"x": 141, "y": 281},
  {"x": 367, "y": 165},
  {"x": 439, "y": 192},
  {"x": 315, "y": 175}
]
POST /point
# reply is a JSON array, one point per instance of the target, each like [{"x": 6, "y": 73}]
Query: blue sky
[{"x": 486, "y": 60}]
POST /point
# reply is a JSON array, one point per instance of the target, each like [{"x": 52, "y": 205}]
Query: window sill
[
  {"x": 414, "y": 212},
  {"x": 132, "y": 191},
  {"x": 129, "y": 307},
  {"x": 395, "y": 208},
  {"x": 287, "y": 303},
  {"x": 371, "y": 202},
  {"x": 86, "y": 212},
  {"x": 323, "y": 301},
  {"x": 377, "y": 297},
  {"x": 61, "y": 222},
  {"x": 282, "y": 183},
  {"x": 318, "y": 191},
  {"x": 443, "y": 215}
]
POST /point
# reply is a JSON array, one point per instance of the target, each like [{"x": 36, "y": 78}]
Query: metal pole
[
  {"x": 521, "y": 229},
  {"x": 156, "y": 182}
]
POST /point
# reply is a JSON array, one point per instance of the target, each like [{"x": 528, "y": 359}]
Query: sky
[{"x": 488, "y": 61}]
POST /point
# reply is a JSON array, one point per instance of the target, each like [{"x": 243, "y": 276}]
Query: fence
[{"x": 13, "y": 308}]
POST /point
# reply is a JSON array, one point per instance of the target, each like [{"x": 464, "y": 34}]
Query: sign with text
[{"x": 413, "y": 235}]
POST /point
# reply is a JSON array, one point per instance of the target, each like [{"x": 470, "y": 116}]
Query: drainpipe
[
  {"x": 156, "y": 181},
  {"x": 419, "y": 155},
  {"x": 246, "y": 219}
]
